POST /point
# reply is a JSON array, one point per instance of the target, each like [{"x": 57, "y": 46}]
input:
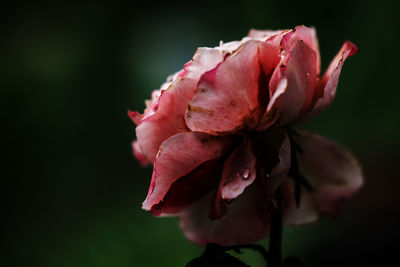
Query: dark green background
[{"x": 72, "y": 190}]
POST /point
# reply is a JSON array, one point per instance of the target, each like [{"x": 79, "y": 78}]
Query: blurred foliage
[{"x": 72, "y": 190}]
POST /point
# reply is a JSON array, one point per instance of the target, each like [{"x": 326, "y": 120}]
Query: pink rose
[{"x": 218, "y": 138}]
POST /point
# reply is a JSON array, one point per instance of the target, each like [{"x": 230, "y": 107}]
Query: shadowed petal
[
  {"x": 272, "y": 148},
  {"x": 178, "y": 156},
  {"x": 190, "y": 188},
  {"x": 247, "y": 220},
  {"x": 332, "y": 171}
]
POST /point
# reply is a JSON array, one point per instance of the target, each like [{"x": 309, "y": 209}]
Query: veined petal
[
  {"x": 178, "y": 156},
  {"x": 226, "y": 99}
]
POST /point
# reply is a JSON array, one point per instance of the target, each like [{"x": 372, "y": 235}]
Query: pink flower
[{"x": 217, "y": 135}]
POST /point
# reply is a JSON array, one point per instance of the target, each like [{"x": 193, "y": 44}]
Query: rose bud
[{"x": 218, "y": 136}]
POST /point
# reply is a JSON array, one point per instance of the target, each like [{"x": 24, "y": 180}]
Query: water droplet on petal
[
  {"x": 245, "y": 174},
  {"x": 282, "y": 54}
]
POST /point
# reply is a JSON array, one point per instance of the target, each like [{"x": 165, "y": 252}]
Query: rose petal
[
  {"x": 138, "y": 154},
  {"x": 170, "y": 79},
  {"x": 332, "y": 171},
  {"x": 239, "y": 172},
  {"x": 151, "y": 108},
  {"x": 206, "y": 59},
  {"x": 226, "y": 99},
  {"x": 309, "y": 36},
  {"x": 135, "y": 116},
  {"x": 326, "y": 89},
  {"x": 291, "y": 87},
  {"x": 178, "y": 156},
  {"x": 263, "y": 35},
  {"x": 270, "y": 53},
  {"x": 190, "y": 188},
  {"x": 247, "y": 220},
  {"x": 168, "y": 120}
]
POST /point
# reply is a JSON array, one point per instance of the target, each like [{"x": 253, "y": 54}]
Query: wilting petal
[
  {"x": 326, "y": 90},
  {"x": 226, "y": 99},
  {"x": 138, "y": 154},
  {"x": 168, "y": 119},
  {"x": 239, "y": 172},
  {"x": 291, "y": 86},
  {"x": 206, "y": 59},
  {"x": 170, "y": 79},
  {"x": 263, "y": 35},
  {"x": 178, "y": 156},
  {"x": 247, "y": 220},
  {"x": 332, "y": 171}
]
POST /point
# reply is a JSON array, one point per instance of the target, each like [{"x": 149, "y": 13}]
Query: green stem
[{"x": 275, "y": 240}]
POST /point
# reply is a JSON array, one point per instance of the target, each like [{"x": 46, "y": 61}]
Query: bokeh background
[{"x": 71, "y": 189}]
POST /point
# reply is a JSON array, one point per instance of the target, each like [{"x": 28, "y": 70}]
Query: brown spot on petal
[
  {"x": 232, "y": 103},
  {"x": 209, "y": 112}
]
